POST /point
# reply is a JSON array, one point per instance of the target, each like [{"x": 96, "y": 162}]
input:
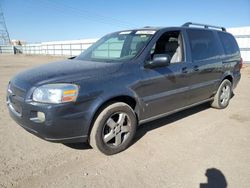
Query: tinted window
[
  {"x": 203, "y": 44},
  {"x": 229, "y": 43}
]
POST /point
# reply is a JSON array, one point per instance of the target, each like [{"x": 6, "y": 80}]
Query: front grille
[
  {"x": 15, "y": 98},
  {"x": 16, "y": 90}
]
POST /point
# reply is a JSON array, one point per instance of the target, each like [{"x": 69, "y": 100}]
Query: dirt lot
[{"x": 175, "y": 151}]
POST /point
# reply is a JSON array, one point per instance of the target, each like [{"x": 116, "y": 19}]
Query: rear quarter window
[
  {"x": 229, "y": 44},
  {"x": 203, "y": 44}
]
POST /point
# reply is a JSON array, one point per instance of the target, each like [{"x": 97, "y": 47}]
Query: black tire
[
  {"x": 111, "y": 123},
  {"x": 218, "y": 102}
]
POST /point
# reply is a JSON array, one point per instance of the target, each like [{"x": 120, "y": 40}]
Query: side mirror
[
  {"x": 73, "y": 57},
  {"x": 159, "y": 60}
]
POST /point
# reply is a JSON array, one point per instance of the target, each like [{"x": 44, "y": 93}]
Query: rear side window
[
  {"x": 229, "y": 43},
  {"x": 203, "y": 44}
]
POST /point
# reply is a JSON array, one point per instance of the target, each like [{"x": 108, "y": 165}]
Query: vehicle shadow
[
  {"x": 215, "y": 179},
  {"x": 144, "y": 128},
  {"x": 78, "y": 146}
]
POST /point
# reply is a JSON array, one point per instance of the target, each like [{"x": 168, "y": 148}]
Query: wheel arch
[
  {"x": 128, "y": 99},
  {"x": 228, "y": 77}
]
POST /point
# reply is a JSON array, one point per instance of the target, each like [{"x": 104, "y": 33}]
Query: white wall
[{"x": 242, "y": 35}]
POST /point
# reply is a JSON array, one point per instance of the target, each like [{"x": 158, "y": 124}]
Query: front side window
[
  {"x": 203, "y": 44},
  {"x": 169, "y": 43},
  {"x": 118, "y": 46}
]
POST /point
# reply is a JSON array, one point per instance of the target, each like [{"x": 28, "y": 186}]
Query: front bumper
[{"x": 63, "y": 123}]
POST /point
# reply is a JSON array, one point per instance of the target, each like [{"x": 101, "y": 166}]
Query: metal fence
[
  {"x": 56, "y": 49},
  {"x": 49, "y": 48},
  {"x": 31, "y": 49},
  {"x": 7, "y": 49}
]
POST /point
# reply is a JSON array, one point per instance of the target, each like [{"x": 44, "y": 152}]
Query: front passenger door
[{"x": 164, "y": 88}]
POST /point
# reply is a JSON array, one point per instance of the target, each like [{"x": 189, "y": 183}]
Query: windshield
[{"x": 117, "y": 46}]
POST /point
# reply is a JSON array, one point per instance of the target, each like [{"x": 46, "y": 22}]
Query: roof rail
[{"x": 204, "y": 25}]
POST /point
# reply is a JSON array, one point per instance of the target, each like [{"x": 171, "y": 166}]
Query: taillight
[{"x": 241, "y": 63}]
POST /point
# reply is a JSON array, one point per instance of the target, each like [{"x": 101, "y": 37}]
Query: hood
[{"x": 66, "y": 71}]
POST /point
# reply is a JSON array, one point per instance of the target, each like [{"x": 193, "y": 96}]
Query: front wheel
[
  {"x": 113, "y": 129},
  {"x": 223, "y": 95}
]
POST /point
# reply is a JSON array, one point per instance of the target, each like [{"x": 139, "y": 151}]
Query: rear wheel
[
  {"x": 113, "y": 129},
  {"x": 223, "y": 95}
]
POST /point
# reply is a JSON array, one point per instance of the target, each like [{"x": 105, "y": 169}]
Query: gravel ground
[{"x": 199, "y": 147}]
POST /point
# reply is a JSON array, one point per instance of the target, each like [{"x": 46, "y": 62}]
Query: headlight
[{"x": 55, "y": 93}]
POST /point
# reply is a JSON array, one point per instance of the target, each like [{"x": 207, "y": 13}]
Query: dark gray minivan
[{"x": 126, "y": 78}]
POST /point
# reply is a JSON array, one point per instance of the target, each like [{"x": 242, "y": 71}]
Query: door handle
[
  {"x": 196, "y": 68},
  {"x": 184, "y": 70}
]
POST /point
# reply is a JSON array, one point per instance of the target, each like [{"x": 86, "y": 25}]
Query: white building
[{"x": 242, "y": 35}]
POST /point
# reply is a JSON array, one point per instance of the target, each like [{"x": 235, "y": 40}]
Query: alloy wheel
[
  {"x": 116, "y": 129},
  {"x": 225, "y": 95}
]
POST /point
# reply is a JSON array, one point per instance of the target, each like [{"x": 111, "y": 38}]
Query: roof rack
[{"x": 204, "y": 25}]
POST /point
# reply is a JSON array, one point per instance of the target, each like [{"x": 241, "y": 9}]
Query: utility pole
[{"x": 4, "y": 35}]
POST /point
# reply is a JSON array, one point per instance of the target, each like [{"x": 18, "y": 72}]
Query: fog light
[{"x": 40, "y": 117}]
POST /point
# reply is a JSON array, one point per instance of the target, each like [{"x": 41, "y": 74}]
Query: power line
[
  {"x": 94, "y": 14},
  {"x": 79, "y": 13}
]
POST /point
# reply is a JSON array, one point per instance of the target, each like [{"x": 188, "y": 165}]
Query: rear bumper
[
  {"x": 236, "y": 79},
  {"x": 64, "y": 123}
]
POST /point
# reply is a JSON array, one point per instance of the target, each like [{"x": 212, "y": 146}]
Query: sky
[{"x": 51, "y": 20}]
